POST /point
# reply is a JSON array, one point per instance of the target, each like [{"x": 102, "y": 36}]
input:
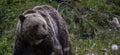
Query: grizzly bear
[{"x": 42, "y": 31}]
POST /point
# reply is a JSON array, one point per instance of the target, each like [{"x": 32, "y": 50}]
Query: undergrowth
[{"x": 79, "y": 21}]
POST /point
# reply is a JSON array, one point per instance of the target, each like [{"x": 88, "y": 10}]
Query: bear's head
[{"x": 33, "y": 26}]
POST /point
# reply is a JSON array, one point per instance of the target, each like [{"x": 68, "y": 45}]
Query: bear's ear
[{"x": 22, "y": 18}]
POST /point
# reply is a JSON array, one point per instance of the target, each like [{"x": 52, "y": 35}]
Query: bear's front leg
[{"x": 57, "y": 47}]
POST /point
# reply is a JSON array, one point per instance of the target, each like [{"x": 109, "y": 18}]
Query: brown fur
[{"x": 39, "y": 22}]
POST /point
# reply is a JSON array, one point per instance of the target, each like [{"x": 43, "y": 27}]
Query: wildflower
[{"x": 114, "y": 47}]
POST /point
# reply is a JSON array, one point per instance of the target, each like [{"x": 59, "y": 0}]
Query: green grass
[
  {"x": 10, "y": 10},
  {"x": 95, "y": 45}
]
